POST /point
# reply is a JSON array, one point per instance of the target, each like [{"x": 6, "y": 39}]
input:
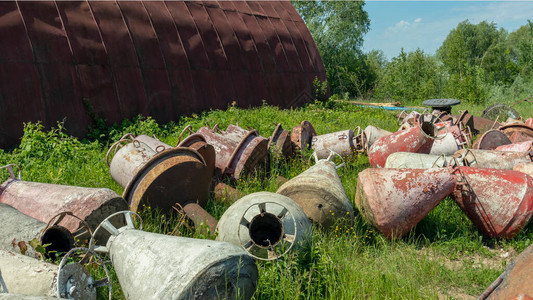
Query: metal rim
[
  {"x": 287, "y": 237},
  {"x": 106, "y": 224},
  {"x": 330, "y": 157}
]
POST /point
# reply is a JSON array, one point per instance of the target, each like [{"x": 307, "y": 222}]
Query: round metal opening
[
  {"x": 429, "y": 128},
  {"x": 266, "y": 230},
  {"x": 59, "y": 238}
]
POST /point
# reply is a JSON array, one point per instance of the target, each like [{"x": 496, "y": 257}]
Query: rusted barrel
[
  {"x": 518, "y": 147},
  {"x": 160, "y": 179},
  {"x": 43, "y": 201},
  {"x": 403, "y": 160},
  {"x": 340, "y": 142},
  {"x": 524, "y": 168},
  {"x": 416, "y": 139},
  {"x": 518, "y": 132},
  {"x": 301, "y": 136},
  {"x": 198, "y": 143},
  {"x": 280, "y": 142},
  {"x": 504, "y": 160},
  {"x": 477, "y": 124},
  {"x": 18, "y": 229},
  {"x": 374, "y": 133},
  {"x": 171, "y": 267},
  {"x": 498, "y": 202},
  {"x": 29, "y": 276},
  {"x": 319, "y": 191},
  {"x": 238, "y": 151},
  {"x": 395, "y": 200},
  {"x": 266, "y": 225},
  {"x": 491, "y": 139},
  {"x": 515, "y": 280}
]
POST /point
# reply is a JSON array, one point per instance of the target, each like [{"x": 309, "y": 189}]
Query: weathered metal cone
[
  {"x": 491, "y": 139},
  {"x": 491, "y": 159},
  {"x": 524, "y": 168},
  {"x": 157, "y": 266},
  {"x": 374, "y": 133},
  {"x": 266, "y": 225},
  {"x": 395, "y": 200},
  {"x": 280, "y": 142},
  {"x": 301, "y": 135},
  {"x": 498, "y": 202},
  {"x": 517, "y": 147},
  {"x": 319, "y": 191},
  {"x": 340, "y": 142},
  {"x": 415, "y": 139},
  {"x": 408, "y": 160}
]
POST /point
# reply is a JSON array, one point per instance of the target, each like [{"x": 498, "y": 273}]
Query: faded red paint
[
  {"x": 408, "y": 140},
  {"x": 518, "y": 132},
  {"x": 162, "y": 59},
  {"x": 395, "y": 200},
  {"x": 498, "y": 202},
  {"x": 518, "y": 147}
]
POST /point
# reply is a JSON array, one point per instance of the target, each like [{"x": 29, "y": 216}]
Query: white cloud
[{"x": 418, "y": 20}]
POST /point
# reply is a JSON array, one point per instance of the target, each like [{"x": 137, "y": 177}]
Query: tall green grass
[{"x": 443, "y": 257}]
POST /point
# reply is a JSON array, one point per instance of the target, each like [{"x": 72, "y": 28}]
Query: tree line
[{"x": 476, "y": 63}]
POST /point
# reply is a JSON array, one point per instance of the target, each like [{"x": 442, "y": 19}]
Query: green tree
[
  {"x": 520, "y": 44},
  {"x": 411, "y": 77},
  {"x": 338, "y": 28}
]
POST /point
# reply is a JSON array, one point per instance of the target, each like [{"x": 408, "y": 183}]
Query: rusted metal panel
[
  {"x": 152, "y": 58},
  {"x": 491, "y": 139},
  {"x": 518, "y": 132},
  {"x": 498, "y": 202},
  {"x": 395, "y": 200},
  {"x": 515, "y": 282}
]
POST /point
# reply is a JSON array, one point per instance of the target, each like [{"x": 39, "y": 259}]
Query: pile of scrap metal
[{"x": 432, "y": 156}]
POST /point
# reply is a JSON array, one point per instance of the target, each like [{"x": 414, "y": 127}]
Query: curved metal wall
[{"x": 155, "y": 58}]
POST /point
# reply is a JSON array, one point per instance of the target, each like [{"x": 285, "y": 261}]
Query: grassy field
[{"x": 444, "y": 257}]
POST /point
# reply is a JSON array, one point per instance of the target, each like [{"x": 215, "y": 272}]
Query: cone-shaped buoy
[
  {"x": 319, "y": 191},
  {"x": 44, "y": 201},
  {"x": 415, "y": 139},
  {"x": 395, "y": 200},
  {"x": 518, "y": 132},
  {"x": 29, "y": 276},
  {"x": 408, "y": 160},
  {"x": 340, "y": 142},
  {"x": 373, "y": 134},
  {"x": 457, "y": 137},
  {"x": 518, "y": 147},
  {"x": 491, "y": 159},
  {"x": 515, "y": 282},
  {"x": 266, "y": 225},
  {"x": 157, "y": 266},
  {"x": 524, "y": 168},
  {"x": 17, "y": 230},
  {"x": 498, "y": 202}
]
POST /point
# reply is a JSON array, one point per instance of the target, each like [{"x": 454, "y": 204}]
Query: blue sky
[{"x": 425, "y": 24}]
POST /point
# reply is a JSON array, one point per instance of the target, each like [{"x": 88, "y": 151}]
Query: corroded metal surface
[
  {"x": 266, "y": 225},
  {"x": 199, "y": 216},
  {"x": 408, "y": 160},
  {"x": 518, "y": 132},
  {"x": 341, "y": 142},
  {"x": 148, "y": 57},
  {"x": 518, "y": 147},
  {"x": 238, "y": 151},
  {"x": 374, "y": 133},
  {"x": 498, "y": 202},
  {"x": 453, "y": 140},
  {"x": 529, "y": 122},
  {"x": 43, "y": 201},
  {"x": 491, "y": 139},
  {"x": 301, "y": 135},
  {"x": 18, "y": 229},
  {"x": 319, "y": 191},
  {"x": 395, "y": 200},
  {"x": 492, "y": 159},
  {"x": 226, "y": 193},
  {"x": 198, "y": 143},
  {"x": 417, "y": 139},
  {"x": 280, "y": 142}
]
